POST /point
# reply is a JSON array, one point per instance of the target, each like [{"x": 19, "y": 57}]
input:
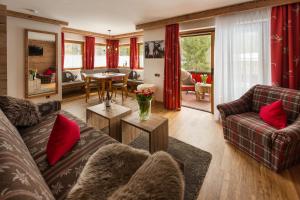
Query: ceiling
[{"x": 120, "y": 16}]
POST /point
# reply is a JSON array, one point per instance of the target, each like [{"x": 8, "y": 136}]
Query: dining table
[{"x": 104, "y": 79}]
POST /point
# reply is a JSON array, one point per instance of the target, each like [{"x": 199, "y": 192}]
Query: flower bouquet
[{"x": 144, "y": 98}]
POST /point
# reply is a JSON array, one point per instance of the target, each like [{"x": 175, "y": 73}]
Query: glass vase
[{"x": 144, "y": 109}]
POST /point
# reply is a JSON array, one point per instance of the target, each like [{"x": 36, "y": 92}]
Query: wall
[
  {"x": 3, "y": 52},
  {"x": 15, "y": 55},
  {"x": 155, "y": 66},
  {"x": 81, "y": 38}
]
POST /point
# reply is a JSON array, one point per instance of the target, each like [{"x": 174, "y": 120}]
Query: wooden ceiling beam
[
  {"x": 12, "y": 13},
  {"x": 84, "y": 33},
  {"x": 214, "y": 12},
  {"x": 128, "y": 35},
  {"x": 101, "y": 35}
]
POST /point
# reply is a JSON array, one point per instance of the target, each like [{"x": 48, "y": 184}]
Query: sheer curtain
[{"x": 242, "y": 54}]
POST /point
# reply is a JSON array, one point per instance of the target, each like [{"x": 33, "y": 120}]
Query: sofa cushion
[
  {"x": 63, "y": 137},
  {"x": 109, "y": 168},
  {"x": 274, "y": 114},
  {"x": 63, "y": 175},
  {"x": 264, "y": 95},
  {"x": 23, "y": 179},
  {"x": 20, "y": 112},
  {"x": 250, "y": 126}
]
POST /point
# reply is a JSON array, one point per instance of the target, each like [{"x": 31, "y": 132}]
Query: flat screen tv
[{"x": 35, "y": 50}]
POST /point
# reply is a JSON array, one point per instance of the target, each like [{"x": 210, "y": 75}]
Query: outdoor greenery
[{"x": 196, "y": 53}]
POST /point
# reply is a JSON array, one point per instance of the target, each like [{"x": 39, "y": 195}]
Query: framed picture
[{"x": 155, "y": 49}]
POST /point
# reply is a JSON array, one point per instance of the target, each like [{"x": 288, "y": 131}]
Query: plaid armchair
[{"x": 242, "y": 126}]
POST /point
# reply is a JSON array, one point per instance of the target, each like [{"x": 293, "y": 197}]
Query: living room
[{"x": 123, "y": 100}]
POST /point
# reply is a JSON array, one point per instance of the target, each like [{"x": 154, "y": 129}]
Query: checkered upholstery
[{"x": 277, "y": 149}]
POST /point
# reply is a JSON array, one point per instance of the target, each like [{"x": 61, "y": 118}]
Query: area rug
[{"x": 196, "y": 162}]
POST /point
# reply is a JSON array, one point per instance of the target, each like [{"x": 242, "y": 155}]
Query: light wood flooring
[{"x": 231, "y": 174}]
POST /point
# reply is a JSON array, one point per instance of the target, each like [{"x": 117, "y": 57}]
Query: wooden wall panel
[
  {"x": 3, "y": 50},
  {"x": 48, "y": 59}
]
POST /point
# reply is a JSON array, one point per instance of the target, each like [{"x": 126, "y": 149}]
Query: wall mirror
[{"x": 40, "y": 63}]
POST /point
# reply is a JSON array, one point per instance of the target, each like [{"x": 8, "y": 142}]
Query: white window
[
  {"x": 100, "y": 55},
  {"x": 124, "y": 56},
  {"x": 73, "y": 55},
  {"x": 141, "y": 55}
]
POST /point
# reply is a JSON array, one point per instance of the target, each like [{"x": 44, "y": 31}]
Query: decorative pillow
[
  {"x": 20, "y": 112},
  {"x": 64, "y": 135},
  {"x": 77, "y": 74},
  {"x": 274, "y": 115},
  {"x": 67, "y": 76}
]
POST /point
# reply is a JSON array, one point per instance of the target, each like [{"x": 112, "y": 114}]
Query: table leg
[{"x": 159, "y": 138}]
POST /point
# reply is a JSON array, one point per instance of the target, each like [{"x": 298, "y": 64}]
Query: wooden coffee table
[
  {"x": 156, "y": 127},
  {"x": 100, "y": 117}
]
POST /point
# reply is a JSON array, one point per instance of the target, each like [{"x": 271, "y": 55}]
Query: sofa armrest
[
  {"x": 238, "y": 106},
  {"x": 48, "y": 107},
  {"x": 289, "y": 134}
]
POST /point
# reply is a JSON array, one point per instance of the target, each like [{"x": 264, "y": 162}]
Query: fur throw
[
  {"x": 120, "y": 172},
  {"x": 20, "y": 112},
  {"x": 106, "y": 170},
  {"x": 158, "y": 178}
]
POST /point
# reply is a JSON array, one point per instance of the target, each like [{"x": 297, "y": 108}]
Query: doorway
[{"x": 197, "y": 68}]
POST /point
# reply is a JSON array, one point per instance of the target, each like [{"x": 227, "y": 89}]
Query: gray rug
[{"x": 196, "y": 162}]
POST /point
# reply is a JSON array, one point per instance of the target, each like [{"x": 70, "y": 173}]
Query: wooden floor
[{"x": 232, "y": 174}]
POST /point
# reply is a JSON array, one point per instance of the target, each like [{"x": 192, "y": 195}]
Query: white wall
[
  {"x": 155, "y": 66},
  {"x": 16, "y": 51}
]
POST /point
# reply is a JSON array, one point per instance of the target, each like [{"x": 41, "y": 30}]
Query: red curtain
[
  {"x": 285, "y": 50},
  {"x": 62, "y": 51},
  {"x": 89, "y": 52},
  {"x": 172, "y": 95},
  {"x": 112, "y": 53},
  {"x": 134, "y": 54}
]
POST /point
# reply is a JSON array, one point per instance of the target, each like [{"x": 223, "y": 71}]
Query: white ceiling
[{"x": 118, "y": 15}]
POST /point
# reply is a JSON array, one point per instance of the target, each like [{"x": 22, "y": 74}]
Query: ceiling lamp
[{"x": 110, "y": 45}]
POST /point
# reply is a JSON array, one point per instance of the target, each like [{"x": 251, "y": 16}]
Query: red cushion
[
  {"x": 48, "y": 72},
  {"x": 274, "y": 115},
  {"x": 64, "y": 135}
]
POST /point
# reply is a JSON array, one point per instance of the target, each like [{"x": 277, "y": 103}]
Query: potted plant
[
  {"x": 204, "y": 78},
  {"x": 144, "y": 98}
]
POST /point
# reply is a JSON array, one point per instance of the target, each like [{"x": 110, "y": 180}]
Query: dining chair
[
  {"x": 122, "y": 86},
  {"x": 89, "y": 84}
]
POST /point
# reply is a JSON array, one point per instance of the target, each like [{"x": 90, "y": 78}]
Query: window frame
[
  {"x": 82, "y": 50},
  {"x": 139, "y": 64},
  {"x": 100, "y": 44},
  {"x": 121, "y": 45}
]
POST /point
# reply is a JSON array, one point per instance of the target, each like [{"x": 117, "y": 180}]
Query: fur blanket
[
  {"x": 20, "y": 112},
  {"x": 118, "y": 172},
  {"x": 106, "y": 170}
]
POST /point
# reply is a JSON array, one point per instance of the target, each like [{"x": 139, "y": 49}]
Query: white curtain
[{"x": 242, "y": 54}]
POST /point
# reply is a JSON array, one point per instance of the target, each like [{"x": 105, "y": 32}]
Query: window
[
  {"x": 196, "y": 53},
  {"x": 100, "y": 55},
  {"x": 73, "y": 55},
  {"x": 141, "y": 55},
  {"x": 124, "y": 55}
]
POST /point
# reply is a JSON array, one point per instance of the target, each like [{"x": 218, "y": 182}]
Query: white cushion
[{"x": 77, "y": 74}]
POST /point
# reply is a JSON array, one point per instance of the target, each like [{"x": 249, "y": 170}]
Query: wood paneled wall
[
  {"x": 48, "y": 59},
  {"x": 3, "y": 50}
]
